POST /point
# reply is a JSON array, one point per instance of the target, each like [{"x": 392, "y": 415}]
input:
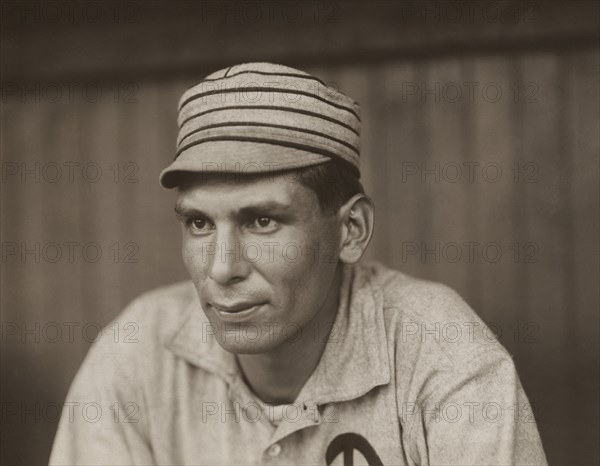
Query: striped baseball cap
[{"x": 262, "y": 117}]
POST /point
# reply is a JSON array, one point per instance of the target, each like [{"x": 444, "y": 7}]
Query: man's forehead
[{"x": 274, "y": 191}]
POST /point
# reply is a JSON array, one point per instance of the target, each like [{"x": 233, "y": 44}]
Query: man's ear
[{"x": 356, "y": 227}]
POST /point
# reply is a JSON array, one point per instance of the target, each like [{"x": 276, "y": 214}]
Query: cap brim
[{"x": 241, "y": 157}]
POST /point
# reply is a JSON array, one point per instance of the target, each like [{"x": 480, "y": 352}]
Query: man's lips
[{"x": 234, "y": 307}]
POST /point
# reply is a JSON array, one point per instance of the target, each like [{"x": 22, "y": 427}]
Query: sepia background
[{"x": 480, "y": 150}]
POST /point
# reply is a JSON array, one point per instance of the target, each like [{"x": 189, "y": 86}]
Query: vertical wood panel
[
  {"x": 581, "y": 311},
  {"x": 445, "y": 105},
  {"x": 491, "y": 141},
  {"x": 27, "y": 277},
  {"x": 400, "y": 149},
  {"x": 61, "y": 203},
  {"x": 544, "y": 219},
  {"x": 423, "y": 156},
  {"x": 99, "y": 210}
]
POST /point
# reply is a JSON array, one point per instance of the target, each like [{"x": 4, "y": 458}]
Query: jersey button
[{"x": 274, "y": 450}]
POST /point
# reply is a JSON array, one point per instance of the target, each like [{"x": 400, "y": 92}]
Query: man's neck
[{"x": 278, "y": 376}]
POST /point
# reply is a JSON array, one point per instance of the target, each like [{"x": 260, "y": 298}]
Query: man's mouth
[
  {"x": 237, "y": 312},
  {"x": 234, "y": 308}
]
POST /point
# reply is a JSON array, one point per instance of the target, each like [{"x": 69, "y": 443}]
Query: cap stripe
[
  {"x": 271, "y": 107},
  {"x": 264, "y": 125},
  {"x": 268, "y": 89}
]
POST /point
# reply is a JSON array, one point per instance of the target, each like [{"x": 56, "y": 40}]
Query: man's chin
[{"x": 241, "y": 344}]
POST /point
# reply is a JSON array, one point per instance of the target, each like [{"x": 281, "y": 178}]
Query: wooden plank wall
[{"x": 541, "y": 294}]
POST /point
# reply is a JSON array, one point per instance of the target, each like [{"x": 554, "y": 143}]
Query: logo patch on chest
[{"x": 346, "y": 444}]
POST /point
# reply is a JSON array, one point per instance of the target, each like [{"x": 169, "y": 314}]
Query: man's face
[{"x": 262, "y": 257}]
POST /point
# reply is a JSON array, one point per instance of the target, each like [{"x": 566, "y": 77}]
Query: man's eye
[
  {"x": 199, "y": 224},
  {"x": 262, "y": 222}
]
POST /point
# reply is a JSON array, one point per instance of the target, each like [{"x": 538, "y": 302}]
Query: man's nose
[{"x": 228, "y": 263}]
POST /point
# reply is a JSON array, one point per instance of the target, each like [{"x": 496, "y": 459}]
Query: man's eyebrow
[
  {"x": 260, "y": 207},
  {"x": 187, "y": 211},
  {"x": 264, "y": 207}
]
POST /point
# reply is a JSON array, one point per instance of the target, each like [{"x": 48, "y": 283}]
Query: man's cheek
[
  {"x": 194, "y": 259},
  {"x": 186, "y": 255}
]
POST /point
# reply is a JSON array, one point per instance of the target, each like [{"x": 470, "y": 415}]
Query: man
[{"x": 283, "y": 348}]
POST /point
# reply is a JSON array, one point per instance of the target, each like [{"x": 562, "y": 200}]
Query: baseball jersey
[{"x": 410, "y": 375}]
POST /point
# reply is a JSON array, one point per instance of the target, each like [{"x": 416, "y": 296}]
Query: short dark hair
[{"x": 333, "y": 182}]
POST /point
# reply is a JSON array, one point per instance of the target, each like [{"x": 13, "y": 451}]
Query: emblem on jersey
[{"x": 346, "y": 444}]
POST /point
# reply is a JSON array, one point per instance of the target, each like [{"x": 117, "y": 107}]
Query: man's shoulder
[
  {"x": 426, "y": 318},
  {"x": 434, "y": 338},
  {"x": 131, "y": 351},
  {"x": 169, "y": 298},
  {"x": 415, "y": 298},
  {"x": 161, "y": 309},
  {"x": 148, "y": 322}
]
